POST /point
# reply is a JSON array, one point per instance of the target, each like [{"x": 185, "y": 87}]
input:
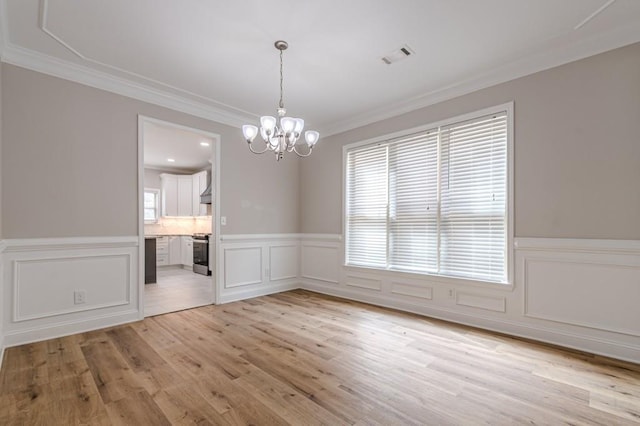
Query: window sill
[{"x": 457, "y": 281}]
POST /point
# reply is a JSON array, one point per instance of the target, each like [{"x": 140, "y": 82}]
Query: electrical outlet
[
  {"x": 79, "y": 297},
  {"x": 223, "y": 220},
  {"x": 452, "y": 293}
]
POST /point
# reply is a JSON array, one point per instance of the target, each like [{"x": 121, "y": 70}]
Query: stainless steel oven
[{"x": 201, "y": 254}]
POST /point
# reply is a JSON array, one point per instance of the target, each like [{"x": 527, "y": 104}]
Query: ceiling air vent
[{"x": 398, "y": 55}]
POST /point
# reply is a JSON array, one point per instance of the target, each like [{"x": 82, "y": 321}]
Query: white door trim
[{"x": 215, "y": 219}]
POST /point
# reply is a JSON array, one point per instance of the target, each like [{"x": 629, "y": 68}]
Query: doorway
[{"x": 178, "y": 209}]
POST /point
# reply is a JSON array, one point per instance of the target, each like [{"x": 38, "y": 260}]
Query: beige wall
[
  {"x": 0, "y": 152},
  {"x": 577, "y": 150},
  {"x": 152, "y": 178},
  {"x": 69, "y": 164}
]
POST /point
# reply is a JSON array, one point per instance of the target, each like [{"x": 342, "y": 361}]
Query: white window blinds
[
  {"x": 432, "y": 202},
  {"x": 413, "y": 203},
  {"x": 473, "y": 198},
  {"x": 367, "y": 208}
]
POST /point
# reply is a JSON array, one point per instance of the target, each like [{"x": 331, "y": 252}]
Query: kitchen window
[
  {"x": 151, "y": 205},
  {"x": 434, "y": 200}
]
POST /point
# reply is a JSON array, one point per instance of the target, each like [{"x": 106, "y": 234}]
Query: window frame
[
  {"x": 156, "y": 191},
  {"x": 509, "y": 249}
]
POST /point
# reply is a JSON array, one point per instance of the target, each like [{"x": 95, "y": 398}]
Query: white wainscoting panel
[
  {"x": 3, "y": 245},
  {"x": 283, "y": 262},
  {"x": 599, "y": 291},
  {"x": 497, "y": 304},
  {"x": 320, "y": 260},
  {"x": 413, "y": 291},
  {"x": 367, "y": 283},
  {"x": 242, "y": 266},
  {"x": 583, "y": 294},
  {"x": 257, "y": 264},
  {"x": 105, "y": 279},
  {"x": 40, "y": 276}
]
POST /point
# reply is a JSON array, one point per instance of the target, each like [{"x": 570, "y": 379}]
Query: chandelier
[{"x": 280, "y": 135}]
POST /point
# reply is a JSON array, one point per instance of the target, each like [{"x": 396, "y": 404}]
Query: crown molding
[
  {"x": 525, "y": 65},
  {"x": 36, "y": 61}
]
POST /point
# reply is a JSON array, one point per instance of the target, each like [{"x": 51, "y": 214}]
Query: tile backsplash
[{"x": 179, "y": 226}]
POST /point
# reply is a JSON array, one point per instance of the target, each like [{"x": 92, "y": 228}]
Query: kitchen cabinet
[
  {"x": 150, "y": 260},
  {"x": 185, "y": 195},
  {"x": 199, "y": 186},
  {"x": 169, "y": 184},
  {"x": 162, "y": 251},
  {"x": 181, "y": 194},
  {"x": 187, "y": 250},
  {"x": 175, "y": 250}
]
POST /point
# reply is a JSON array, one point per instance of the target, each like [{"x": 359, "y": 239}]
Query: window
[
  {"x": 434, "y": 201},
  {"x": 151, "y": 205}
]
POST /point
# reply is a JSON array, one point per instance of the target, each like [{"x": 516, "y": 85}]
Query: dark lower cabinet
[{"x": 149, "y": 260}]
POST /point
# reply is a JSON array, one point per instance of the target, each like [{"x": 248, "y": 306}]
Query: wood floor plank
[
  {"x": 290, "y": 404},
  {"x": 138, "y": 408},
  {"x": 301, "y": 358},
  {"x": 113, "y": 377},
  {"x": 182, "y": 405},
  {"x": 139, "y": 355}
]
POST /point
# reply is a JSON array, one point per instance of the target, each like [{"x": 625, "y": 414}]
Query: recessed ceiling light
[
  {"x": 171, "y": 160},
  {"x": 204, "y": 143}
]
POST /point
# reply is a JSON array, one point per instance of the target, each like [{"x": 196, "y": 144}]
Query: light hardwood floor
[{"x": 305, "y": 359}]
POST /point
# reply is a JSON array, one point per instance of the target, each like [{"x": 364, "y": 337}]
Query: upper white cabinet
[
  {"x": 199, "y": 185},
  {"x": 169, "y": 194},
  {"x": 181, "y": 194},
  {"x": 185, "y": 196}
]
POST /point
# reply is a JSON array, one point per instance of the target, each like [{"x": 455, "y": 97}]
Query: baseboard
[
  {"x": 1, "y": 350},
  {"x": 62, "y": 329},
  {"x": 258, "y": 291},
  {"x": 585, "y": 343}
]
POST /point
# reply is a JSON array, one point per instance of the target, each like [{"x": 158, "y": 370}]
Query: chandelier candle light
[{"x": 280, "y": 134}]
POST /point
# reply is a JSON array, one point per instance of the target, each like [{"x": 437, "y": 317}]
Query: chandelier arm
[
  {"x": 302, "y": 155},
  {"x": 266, "y": 148}
]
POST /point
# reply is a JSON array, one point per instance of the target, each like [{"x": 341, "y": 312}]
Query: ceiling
[
  {"x": 164, "y": 142},
  {"x": 216, "y": 59}
]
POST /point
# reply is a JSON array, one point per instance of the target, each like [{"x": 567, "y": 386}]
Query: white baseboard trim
[
  {"x": 62, "y": 329},
  {"x": 1, "y": 349},
  {"x": 589, "y": 344},
  {"x": 258, "y": 291}
]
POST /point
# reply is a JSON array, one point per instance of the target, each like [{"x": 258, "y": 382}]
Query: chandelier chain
[{"x": 281, "y": 85}]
